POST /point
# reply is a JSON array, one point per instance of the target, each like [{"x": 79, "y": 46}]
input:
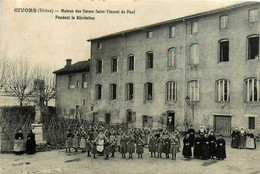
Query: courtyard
[{"x": 242, "y": 161}]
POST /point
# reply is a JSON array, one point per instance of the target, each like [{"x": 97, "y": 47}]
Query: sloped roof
[
  {"x": 241, "y": 4},
  {"x": 82, "y": 66}
]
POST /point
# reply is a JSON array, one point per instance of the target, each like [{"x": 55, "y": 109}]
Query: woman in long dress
[
  {"x": 118, "y": 138},
  {"x": 140, "y": 147},
  {"x": 187, "y": 146},
  {"x": 123, "y": 145},
  {"x": 235, "y": 139},
  {"x": 19, "y": 145},
  {"x": 69, "y": 141},
  {"x": 197, "y": 146},
  {"x": 82, "y": 144},
  {"x": 250, "y": 141},
  {"x": 150, "y": 134},
  {"x": 30, "y": 143},
  {"x": 221, "y": 148},
  {"x": 131, "y": 146},
  {"x": 242, "y": 139},
  {"x": 152, "y": 146}
]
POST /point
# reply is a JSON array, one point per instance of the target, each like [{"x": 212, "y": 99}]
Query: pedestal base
[{"x": 37, "y": 130}]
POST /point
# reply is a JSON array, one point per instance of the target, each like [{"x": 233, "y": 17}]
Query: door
[
  {"x": 170, "y": 121},
  {"x": 222, "y": 125}
]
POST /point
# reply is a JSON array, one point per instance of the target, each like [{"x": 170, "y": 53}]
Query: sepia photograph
[{"x": 132, "y": 87}]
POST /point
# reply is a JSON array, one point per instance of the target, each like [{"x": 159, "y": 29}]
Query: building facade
[
  {"x": 203, "y": 68},
  {"x": 72, "y": 90}
]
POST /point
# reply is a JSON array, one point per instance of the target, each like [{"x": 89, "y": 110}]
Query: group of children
[
  {"x": 204, "y": 143},
  {"x": 241, "y": 139},
  {"x": 104, "y": 142}
]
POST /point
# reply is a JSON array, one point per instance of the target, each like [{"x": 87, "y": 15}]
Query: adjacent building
[
  {"x": 73, "y": 90},
  {"x": 203, "y": 68}
]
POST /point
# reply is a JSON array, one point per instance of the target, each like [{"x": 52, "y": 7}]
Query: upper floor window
[
  {"x": 72, "y": 81},
  {"x": 129, "y": 91},
  {"x": 114, "y": 64},
  {"x": 171, "y": 91},
  {"x": 252, "y": 91},
  {"x": 99, "y": 45},
  {"x": 113, "y": 92},
  {"x": 222, "y": 90},
  {"x": 194, "y": 27},
  {"x": 223, "y": 21},
  {"x": 130, "y": 62},
  {"x": 224, "y": 50},
  {"x": 84, "y": 80},
  {"x": 99, "y": 66},
  {"x": 98, "y": 90},
  {"x": 172, "y": 32},
  {"x": 149, "y": 60},
  {"x": 253, "y": 15},
  {"x": 171, "y": 57},
  {"x": 149, "y": 34},
  {"x": 253, "y": 47},
  {"x": 129, "y": 115},
  {"x": 193, "y": 90},
  {"x": 194, "y": 54},
  {"x": 148, "y": 91}
]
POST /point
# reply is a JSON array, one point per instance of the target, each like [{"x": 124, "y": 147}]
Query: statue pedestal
[{"x": 37, "y": 130}]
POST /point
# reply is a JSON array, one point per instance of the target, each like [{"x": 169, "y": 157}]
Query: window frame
[
  {"x": 147, "y": 96},
  {"x": 129, "y": 67},
  {"x": 171, "y": 91},
  {"x": 225, "y": 21},
  {"x": 149, "y": 34},
  {"x": 97, "y": 92},
  {"x": 249, "y": 48},
  {"x": 71, "y": 82},
  {"x": 193, "y": 27},
  {"x": 113, "y": 89},
  {"x": 221, "y": 52},
  {"x": 195, "y": 92},
  {"x": 149, "y": 60},
  {"x": 255, "y": 19},
  {"x": 84, "y": 81},
  {"x": 171, "y": 57},
  {"x": 220, "y": 90},
  {"x": 99, "y": 68},
  {"x": 113, "y": 66},
  {"x": 253, "y": 87},
  {"x": 128, "y": 98},
  {"x": 250, "y": 119},
  {"x": 172, "y": 32},
  {"x": 99, "y": 45},
  {"x": 197, "y": 56}
]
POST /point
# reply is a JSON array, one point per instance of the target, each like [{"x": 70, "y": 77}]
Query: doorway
[{"x": 170, "y": 120}]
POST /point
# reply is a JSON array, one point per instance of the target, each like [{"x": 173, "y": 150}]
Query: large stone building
[
  {"x": 203, "y": 68},
  {"x": 72, "y": 90}
]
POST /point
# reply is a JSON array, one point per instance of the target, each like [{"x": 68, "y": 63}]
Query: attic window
[
  {"x": 149, "y": 34},
  {"x": 99, "y": 45}
]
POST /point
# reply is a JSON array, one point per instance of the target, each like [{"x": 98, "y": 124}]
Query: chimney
[{"x": 68, "y": 63}]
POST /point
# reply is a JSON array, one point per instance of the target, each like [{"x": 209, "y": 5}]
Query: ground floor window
[
  {"x": 107, "y": 119},
  {"x": 251, "y": 122}
]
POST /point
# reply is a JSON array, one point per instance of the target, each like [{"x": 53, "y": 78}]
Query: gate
[{"x": 222, "y": 125}]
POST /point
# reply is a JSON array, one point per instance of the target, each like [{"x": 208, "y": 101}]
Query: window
[
  {"x": 194, "y": 27},
  {"x": 108, "y": 119},
  {"x": 129, "y": 115},
  {"x": 99, "y": 66},
  {"x": 149, "y": 34},
  {"x": 222, "y": 90},
  {"x": 172, "y": 32},
  {"x": 253, "y": 47},
  {"x": 193, "y": 90},
  {"x": 171, "y": 91},
  {"x": 129, "y": 91},
  {"x": 171, "y": 57},
  {"x": 78, "y": 84},
  {"x": 148, "y": 91},
  {"x": 72, "y": 82},
  {"x": 130, "y": 62},
  {"x": 83, "y": 102},
  {"x": 84, "y": 81},
  {"x": 99, "y": 45},
  {"x": 253, "y": 15},
  {"x": 252, "y": 90},
  {"x": 113, "y": 92},
  {"x": 98, "y": 92},
  {"x": 194, "y": 54},
  {"x": 223, "y": 50},
  {"x": 145, "y": 120},
  {"x": 149, "y": 60},
  {"x": 223, "y": 21},
  {"x": 114, "y": 64},
  {"x": 251, "y": 122}
]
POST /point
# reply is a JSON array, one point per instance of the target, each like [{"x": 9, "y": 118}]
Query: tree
[
  {"x": 48, "y": 91},
  {"x": 3, "y": 72},
  {"x": 20, "y": 79}
]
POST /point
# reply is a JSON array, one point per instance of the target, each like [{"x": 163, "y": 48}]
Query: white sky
[{"x": 43, "y": 39}]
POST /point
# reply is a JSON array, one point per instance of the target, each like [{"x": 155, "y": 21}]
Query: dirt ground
[{"x": 240, "y": 161}]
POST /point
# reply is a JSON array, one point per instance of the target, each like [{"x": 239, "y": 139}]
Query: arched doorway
[{"x": 170, "y": 120}]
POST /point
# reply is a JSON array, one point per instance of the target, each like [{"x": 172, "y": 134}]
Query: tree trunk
[
  {"x": 21, "y": 103},
  {"x": 46, "y": 102}
]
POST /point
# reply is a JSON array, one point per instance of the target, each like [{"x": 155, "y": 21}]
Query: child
[
  {"x": 106, "y": 148},
  {"x": 82, "y": 144},
  {"x": 140, "y": 147},
  {"x": 131, "y": 147},
  {"x": 174, "y": 148},
  {"x": 221, "y": 148},
  {"x": 69, "y": 141},
  {"x": 152, "y": 145},
  {"x": 159, "y": 147},
  {"x": 88, "y": 145},
  {"x": 123, "y": 145},
  {"x": 76, "y": 141},
  {"x": 113, "y": 147},
  {"x": 94, "y": 149}
]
